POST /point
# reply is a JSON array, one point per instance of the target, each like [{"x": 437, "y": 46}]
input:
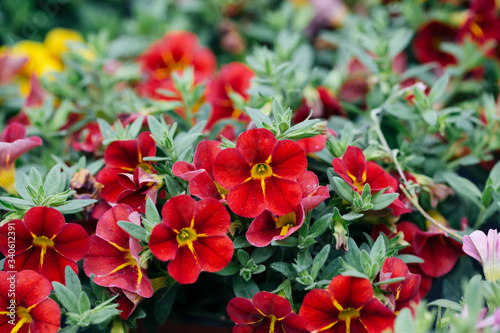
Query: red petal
[
  {"x": 256, "y": 145},
  {"x": 355, "y": 162},
  {"x": 23, "y": 237},
  {"x": 54, "y": 265},
  {"x": 314, "y": 144},
  {"x": 294, "y": 324},
  {"x": 122, "y": 155},
  {"x": 242, "y": 311},
  {"x": 230, "y": 168},
  {"x": 350, "y": 292},
  {"x": 31, "y": 287},
  {"x": 205, "y": 155},
  {"x": 340, "y": 168},
  {"x": 112, "y": 187},
  {"x": 247, "y": 200},
  {"x": 184, "y": 269},
  {"x": 281, "y": 195},
  {"x": 163, "y": 242},
  {"x": 185, "y": 170},
  {"x": 72, "y": 241},
  {"x": 146, "y": 145},
  {"x": 427, "y": 244},
  {"x": 46, "y": 317},
  {"x": 271, "y": 304},
  {"x": 376, "y": 317},
  {"x": 211, "y": 218},
  {"x": 310, "y": 202},
  {"x": 288, "y": 160},
  {"x": 214, "y": 253},
  {"x": 107, "y": 226},
  {"x": 13, "y": 132},
  {"x": 178, "y": 212},
  {"x": 44, "y": 221},
  {"x": 378, "y": 178},
  {"x": 102, "y": 258},
  {"x": 308, "y": 182},
  {"x": 10, "y": 152},
  {"x": 202, "y": 186},
  {"x": 318, "y": 310}
]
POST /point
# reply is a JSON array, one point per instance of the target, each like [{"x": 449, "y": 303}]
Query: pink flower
[{"x": 486, "y": 250}]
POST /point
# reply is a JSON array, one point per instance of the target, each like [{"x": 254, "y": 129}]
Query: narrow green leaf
[
  {"x": 66, "y": 297},
  {"x": 319, "y": 260},
  {"x": 134, "y": 230}
]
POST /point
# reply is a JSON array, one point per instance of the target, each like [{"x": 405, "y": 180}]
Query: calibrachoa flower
[
  {"x": 192, "y": 236},
  {"x": 139, "y": 186},
  {"x": 268, "y": 227},
  {"x": 232, "y": 78},
  {"x": 45, "y": 243},
  {"x": 356, "y": 171},
  {"x": 31, "y": 309},
  {"x": 261, "y": 173},
  {"x": 348, "y": 305},
  {"x": 200, "y": 173},
  {"x": 322, "y": 102},
  {"x": 404, "y": 291},
  {"x": 124, "y": 157},
  {"x": 426, "y": 44},
  {"x": 265, "y": 312},
  {"x": 114, "y": 254},
  {"x": 13, "y": 144},
  {"x": 485, "y": 249},
  {"x": 312, "y": 193}
]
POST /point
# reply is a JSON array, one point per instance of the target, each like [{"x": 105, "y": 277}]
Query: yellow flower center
[
  {"x": 358, "y": 183},
  {"x": 222, "y": 191},
  {"x": 286, "y": 222},
  {"x": 348, "y": 314},
  {"x": 261, "y": 171},
  {"x": 186, "y": 235},
  {"x": 273, "y": 323},
  {"x": 24, "y": 318},
  {"x": 8, "y": 178},
  {"x": 44, "y": 243}
]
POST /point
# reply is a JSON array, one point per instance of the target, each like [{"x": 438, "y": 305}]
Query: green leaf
[
  {"x": 35, "y": 178},
  {"x": 285, "y": 268},
  {"x": 430, "y": 116},
  {"x": 72, "y": 281},
  {"x": 464, "y": 187},
  {"x": 319, "y": 260},
  {"x": 439, "y": 88},
  {"x": 240, "y": 241},
  {"x": 390, "y": 281},
  {"x": 399, "y": 41},
  {"x": 410, "y": 259},
  {"x": 495, "y": 176},
  {"x": 75, "y": 206},
  {"x": 343, "y": 189},
  {"x": 258, "y": 117},
  {"x": 152, "y": 214},
  {"x": 65, "y": 297},
  {"x": 231, "y": 269},
  {"x": 164, "y": 300},
  {"x": 243, "y": 257},
  {"x": 378, "y": 249},
  {"x": 384, "y": 200},
  {"x": 304, "y": 260},
  {"x": 261, "y": 254},
  {"x": 320, "y": 225},
  {"x": 446, "y": 303},
  {"x": 84, "y": 303},
  {"x": 354, "y": 274},
  {"x": 134, "y": 230},
  {"x": 173, "y": 187},
  {"x": 107, "y": 131},
  {"x": 287, "y": 242},
  {"x": 242, "y": 288},
  {"x": 52, "y": 180},
  {"x": 404, "y": 322}
]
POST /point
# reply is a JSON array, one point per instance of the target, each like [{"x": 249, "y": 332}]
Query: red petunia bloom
[
  {"x": 45, "y": 243},
  {"x": 13, "y": 144},
  {"x": 31, "y": 310},
  {"x": 323, "y": 104},
  {"x": 124, "y": 157},
  {"x": 315, "y": 143},
  {"x": 265, "y": 312},
  {"x": 200, "y": 174},
  {"x": 348, "y": 305},
  {"x": 139, "y": 186},
  {"x": 236, "y": 78},
  {"x": 312, "y": 193},
  {"x": 193, "y": 237},
  {"x": 261, "y": 173},
  {"x": 268, "y": 227},
  {"x": 426, "y": 45},
  {"x": 176, "y": 51},
  {"x": 114, "y": 254},
  {"x": 405, "y": 291},
  {"x": 356, "y": 171},
  {"x": 87, "y": 139}
]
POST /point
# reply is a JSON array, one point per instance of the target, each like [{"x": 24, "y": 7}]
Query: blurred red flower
[
  {"x": 45, "y": 243},
  {"x": 261, "y": 173},
  {"x": 426, "y": 44},
  {"x": 192, "y": 236},
  {"x": 265, "y": 312},
  {"x": 348, "y": 305},
  {"x": 114, "y": 255},
  {"x": 34, "y": 310}
]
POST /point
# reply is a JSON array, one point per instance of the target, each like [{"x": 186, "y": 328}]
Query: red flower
[
  {"x": 10, "y": 66},
  {"x": 348, "y": 305},
  {"x": 312, "y": 193},
  {"x": 404, "y": 291},
  {"x": 124, "y": 157},
  {"x": 356, "y": 171},
  {"x": 13, "y": 144},
  {"x": 323, "y": 104},
  {"x": 315, "y": 143},
  {"x": 265, "y": 312},
  {"x": 426, "y": 45},
  {"x": 200, "y": 173},
  {"x": 127, "y": 302},
  {"x": 176, "y": 51},
  {"x": 87, "y": 139},
  {"x": 193, "y": 237},
  {"x": 114, "y": 255},
  {"x": 45, "y": 243},
  {"x": 268, "y": 227},
  {"x": 139, "y": 186},
  {"x": 234, "y": 77},
  {"x": 261, "y": 173},
  {"x": 31, "y": 309}
]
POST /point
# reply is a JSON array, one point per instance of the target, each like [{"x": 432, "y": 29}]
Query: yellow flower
[
  {"x": 40, "y": 61},
  {"x": 57, "y": 40}
]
